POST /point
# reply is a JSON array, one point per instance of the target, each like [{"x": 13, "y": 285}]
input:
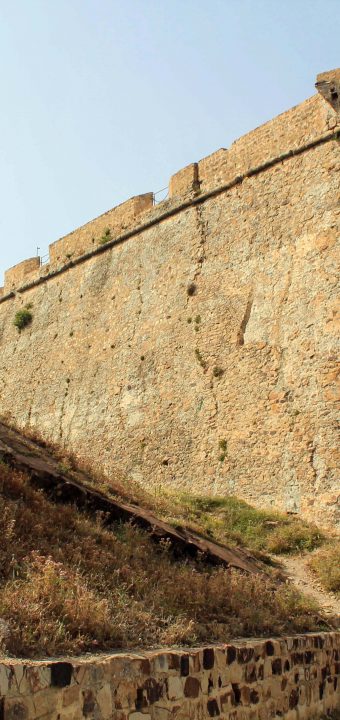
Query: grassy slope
[
  {"x": 67, "y": 585},
  {"x": 232, "y": 521},
  {"x": 227, "y": 520}
]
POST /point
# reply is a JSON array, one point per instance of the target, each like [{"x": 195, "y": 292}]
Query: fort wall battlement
[
  {"x": 195, "y": 339},
  {"x": 290, "y": 132}
]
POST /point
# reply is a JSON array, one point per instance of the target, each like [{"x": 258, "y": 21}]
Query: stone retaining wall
[{"x": 291, "y": 677}]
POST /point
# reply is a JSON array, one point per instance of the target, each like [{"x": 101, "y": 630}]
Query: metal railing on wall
[
  {"x": 157, "y": 198},
  {"x": 160, "y": 195},
  {"x": 44, "y": 259}
]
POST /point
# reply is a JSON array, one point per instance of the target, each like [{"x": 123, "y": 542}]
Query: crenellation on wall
[
  {"x": 18, "y": 273},
  {"x": 294, "y": 677},
  {"x": 101, "y": 229},
  {"x": 184, "y": 181}
]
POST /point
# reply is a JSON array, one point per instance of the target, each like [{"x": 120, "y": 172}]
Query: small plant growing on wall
[
  {"x": 223, "y": 448},
  {"x": 218, "y": 372},
  {"x": 23, "y": 318},
  {"x": 203, "y": 363},
  {"x": 105, "y": 237}
]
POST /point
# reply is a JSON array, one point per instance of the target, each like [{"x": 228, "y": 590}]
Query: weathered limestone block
[
  {"x": 18, "y": 273},
  {"x": 175, "y": 688},
  {"x": 184, "y": 181}
]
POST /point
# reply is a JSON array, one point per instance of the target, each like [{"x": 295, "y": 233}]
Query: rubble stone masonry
[
  {"x": 160, "y": 334},
  {"x": 297, "y": 678}
]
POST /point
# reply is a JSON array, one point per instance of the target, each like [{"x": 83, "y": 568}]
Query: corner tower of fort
[{"x": 192, "y": 344}]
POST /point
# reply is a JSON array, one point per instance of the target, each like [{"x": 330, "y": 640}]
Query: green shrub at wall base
[{"x": 22, "y": 318}]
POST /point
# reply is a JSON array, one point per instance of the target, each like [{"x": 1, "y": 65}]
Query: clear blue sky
[{"x": 105, "y": 99}]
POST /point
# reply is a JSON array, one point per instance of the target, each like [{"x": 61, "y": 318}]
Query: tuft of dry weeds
[
  {"x": 325, "y": 563},
  {"x": 69, "y": 585}
]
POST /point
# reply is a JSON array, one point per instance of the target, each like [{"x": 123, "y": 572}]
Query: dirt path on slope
[{"x": 297, "y": 570}]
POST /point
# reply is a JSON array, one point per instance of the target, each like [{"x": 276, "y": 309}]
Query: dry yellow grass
[
  {"x": 68, "y": 585},
  {"x": 326, "y": 564}
]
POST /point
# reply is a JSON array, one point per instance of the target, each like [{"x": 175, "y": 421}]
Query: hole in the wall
[
  {"x": 270, "y": 648},
  {"x": 218, "y": 371},
  {"x": 61, "y": 674},
  {"x": 191, "y": 289},
  {"x": 237, "y": 693},
  {"x": 140, "y": 699},
  {"x": 184, "y": 666}
]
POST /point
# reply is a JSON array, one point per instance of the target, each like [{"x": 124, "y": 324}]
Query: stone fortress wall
[
  {"x": 192, "y": 344},
  {"x": 297, "y": 678}
]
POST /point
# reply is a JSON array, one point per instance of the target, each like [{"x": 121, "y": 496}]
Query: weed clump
[
  {"x": 223, "y": 447},
  {"x": 200, "y": 359},
  {"x": 23, "y": 318},
  {"x": 233, "y": 521},
  {"x": 325, "y": 563},
  {"x": 106, "y": 236}
]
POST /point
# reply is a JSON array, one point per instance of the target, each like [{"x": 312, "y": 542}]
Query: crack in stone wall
[{"x": 245, "y": 320}]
